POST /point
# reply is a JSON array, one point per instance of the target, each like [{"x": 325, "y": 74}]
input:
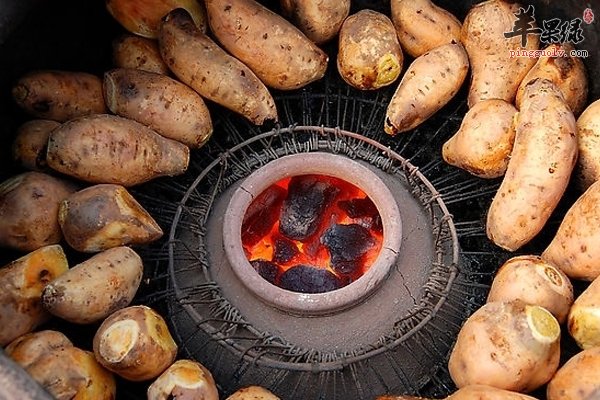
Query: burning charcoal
[
  {"x": 268, "y": 270},
  {"x": 358, "y": 208},
  {"x": 306, "y": 202},
  {"x": 262, "y": 215},
  {"x": 346, "y": 245},
  {"x": 285, "y": 250},
  {"x": 307, "y": 279}
]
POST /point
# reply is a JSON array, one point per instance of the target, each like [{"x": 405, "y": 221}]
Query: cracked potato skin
[
  {"x": 369, "y": 55},
  {"x": 202, "y": 65},
  {"x": 278, "y": 52}
]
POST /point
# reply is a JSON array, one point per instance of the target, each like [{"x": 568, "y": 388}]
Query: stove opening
[{"x": 312, "y": 233}]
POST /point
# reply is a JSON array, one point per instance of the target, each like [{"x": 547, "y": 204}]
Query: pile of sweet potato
[{"x": 94, "y": 137}]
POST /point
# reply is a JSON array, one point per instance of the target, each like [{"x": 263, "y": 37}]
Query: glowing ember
[{"x": 312, "y": 233}]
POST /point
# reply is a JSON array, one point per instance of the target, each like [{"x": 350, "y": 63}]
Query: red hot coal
[{"x": 312, "y": 233}]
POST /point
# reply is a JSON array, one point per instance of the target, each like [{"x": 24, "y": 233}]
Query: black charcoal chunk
[
  {"x": 359, "y": 208},
  {"x": 285, "y": 251},
  {"x": 262, "y": 215},
  {"x": 306, "y": 202},
  {"x": 346, "y": 245},
  {"x": 266, "y": 269},
  {"x": 307, "y": 279}
]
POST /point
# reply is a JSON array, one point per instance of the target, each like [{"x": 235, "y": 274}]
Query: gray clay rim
[{"x": 321, "y": 163}]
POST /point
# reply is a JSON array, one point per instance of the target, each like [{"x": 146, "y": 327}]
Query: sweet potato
[
  {"x": 319, "y": 20},
  {"x": 96, "y": 288},
  {"x": 574, "y": 249},
  {"x": 423, "y": 26},
  {"x": 28, "y": 348},
  {"x": 135, "y": 343},
  {"x": 199, "y": 63},
  {"x": 143, "y": 17},
  {"x": 167, "y": 106},
  {"x": 494, "y": 73},
  {"x": 484, "y": 141},
  {"x": 530, "y": 279},
  {"x": 369, "y": 55},
  {"x": 21, "y": 284},
  {"x": 110, "y": 149},
  {"x": 483, "y": 392},
  {"x": 31, "y": 142},
  {"x": 105, "y": 216},
  {"x": 70, "y": 373},
  {"x": 541, "y": 163},
  {"x": 578, "y": 378},
  {"x": 253, "y": 393},
  {"x": 29, "y": 205},
  {"x": 130, "y": 51},
  {"x": 584, "y": 317},
  {"x": 588, "y": 135},
  {"x": 565, "y": 71},
  {"x": 428, "y": 84},
  {"x": 254, "y": 34},
  {"x": 59, "y": 95},
  {"x": 511, "y": 346},
  {"x": 184, "y": 379}
]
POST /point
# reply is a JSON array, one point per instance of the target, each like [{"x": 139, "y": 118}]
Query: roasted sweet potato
[
  {"x": 31, "y": 142},
  {"x": 574, "y": 249},
  {"x": 72, "y": 373},
  {"x": 584, "y": 317},
  {"x": 110, "y": 149},
  {"x": 253, "y": 393},
  {"x": 167, "y": 106},
  {"x": 541, "y": 163},
  {"x": 494, "y": 73},
  {"x": 530, "y": 279},
  {"x": 130, "y": 51},
  {"x": 588, "y": 137},
  {"x": 319, "y": 20},
  {"x": 565, "y": 71},
  {"x": 511, "y": 346},
  {"x": 26, "y": 349},
  {"x": 59, "y": 95},
  {"x": 422, "y": 26},
  {"x": 201, "y": 64},
  {"x": 369, "y": 55},
  {"x": 483, "y": 392},
  {"x": 428, "y": 84},
  {"x": 21, "y": 285},
  {"x": 143, "y": 17},
  {"x": 105, "y": 216},
  {"x": 29, "y": 205},
  {"x": 578, "y": 378},
  {"x": 184, "y": 379},
  {"x": 254, "y": 34},
  {"x": 485, "y": 139},
  {"x": 135, "y": 343},
  {"x": 96, "y": 288}
]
